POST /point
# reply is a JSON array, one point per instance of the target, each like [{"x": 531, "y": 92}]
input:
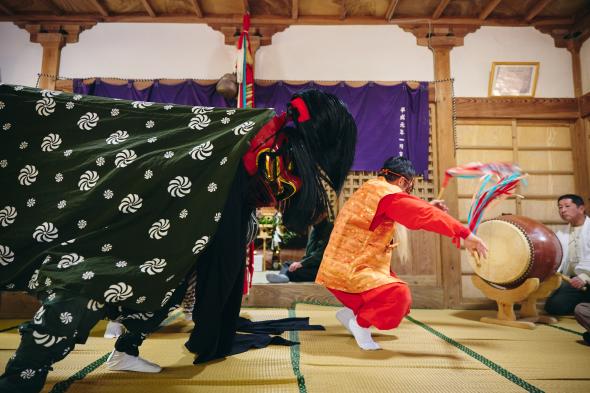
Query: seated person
[
  {"x": 582, "y": 313},
  {"x": 307, "y": 268},
  {"x": 575, "y": 243}
]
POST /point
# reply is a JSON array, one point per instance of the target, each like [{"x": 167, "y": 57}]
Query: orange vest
[{"x": 357, "y": 259}]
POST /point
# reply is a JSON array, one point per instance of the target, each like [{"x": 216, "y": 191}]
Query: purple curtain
[{"x": 391, "y": 120}]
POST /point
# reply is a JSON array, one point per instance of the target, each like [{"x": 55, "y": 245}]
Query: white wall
[
  {"x": 471, "y": 63},
  {"x": 344, "y": 53},
  {"x": 298, "y": 53},
  {"x": 148, "y": 50},
  {"x": 585, "y": 59},
  {"x": 20, "y": 59}
]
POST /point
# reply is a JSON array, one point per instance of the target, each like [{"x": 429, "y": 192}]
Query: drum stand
[{"x": 526, "y": 294}]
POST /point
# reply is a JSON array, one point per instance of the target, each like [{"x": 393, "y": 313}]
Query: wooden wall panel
[
  {"x": 541, "y": 210},
  {"x": 468, "y": 155},
  {"x": 548, "y": 185},
  {"x": 486, "y": 135},
  {"x": 544, "y": 137},
  {"x": 556, "y": 161}
]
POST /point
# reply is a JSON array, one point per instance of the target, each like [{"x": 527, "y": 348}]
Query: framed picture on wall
[{"x": 513, "y": 79}]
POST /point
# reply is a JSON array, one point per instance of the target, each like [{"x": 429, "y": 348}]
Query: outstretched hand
[
  {"x": 440, "y": 204},
  {"x": 475, "y": 245}
]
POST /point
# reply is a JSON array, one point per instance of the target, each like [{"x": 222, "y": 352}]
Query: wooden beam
[
  {"x": 440, "y": 9},
  {"x": 582, "y": 23},
  {"x": 6, "y": 10},
  {"x": 519, "y": 108},
  {"x": 488, "y": 9},
  {"x": 536, "y": 9},
  {"x": 294, "y": 9},
  {"x": 99, "y": 7},
  {"x": 148, "y": 8},
  {"x": 273, "y": 20},
  {"x": 197, "y": 8},
  {"x": 391, "y": 9},
  {"x": 54, "y": 7}
]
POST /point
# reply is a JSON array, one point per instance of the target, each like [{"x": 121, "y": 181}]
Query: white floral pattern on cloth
[
  {"x": 153, "y": 266},
  {"x": 125, "y": 158},
  {"x": 141, "y": 104},
  {"x": 131, "y": 203},
  {"x": 202, "y": 151},
  {"x": 69, "y": 260},
  {"x": 88, "y": 121},
  {"x": 66, "y": 317},
  {"x": 46, "y": 340},
  {"x": 94, "y": 305},
  {"x": 179, "y": 187},
  {"x": 46, "y": 232},
  {"x": 118, "y": 292},
  {"x": 200, "y": 244},
  {"x": 244, "y": 128},
  {"x": 159, "y": 229},
  {"x": 28, "y": 175},
  {"x": 88, "y": 180},
  {"x": 45, "y": 106},
  {"x": 27, "y": 374},
  {"x": 6, "y": 255},
  {"x": 50, "y": 142},
  {"x": 199, "y": 122},
  {"x": 117, "y": 137},
  {"x": 167, "y": 297},
  {"x": 7, "y": 215}
]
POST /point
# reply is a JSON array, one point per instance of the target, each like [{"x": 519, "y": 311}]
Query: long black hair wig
[{"x": 322, "y": 148}]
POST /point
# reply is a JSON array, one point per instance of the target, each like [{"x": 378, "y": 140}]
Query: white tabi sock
[
  {"x": 362, "y": 336},
  {"x": 344, "y": 315}
]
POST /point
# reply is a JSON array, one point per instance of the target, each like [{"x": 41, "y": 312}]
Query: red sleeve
[{"x": 414, "y": 213}]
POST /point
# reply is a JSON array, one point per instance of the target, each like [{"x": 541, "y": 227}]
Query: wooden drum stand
[{"x": 526, "y": 294}]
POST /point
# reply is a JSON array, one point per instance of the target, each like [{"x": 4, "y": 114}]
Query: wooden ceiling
[{"x": 569, "y": 18}]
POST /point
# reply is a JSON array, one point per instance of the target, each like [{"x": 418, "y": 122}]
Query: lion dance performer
[
  {"x": 110, "y": 204},
  {"x": 356, "y": 263}
]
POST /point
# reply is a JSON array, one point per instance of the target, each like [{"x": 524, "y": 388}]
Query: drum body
[{"x": 519, "y": 248}]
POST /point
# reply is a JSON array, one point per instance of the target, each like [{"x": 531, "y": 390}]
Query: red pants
[{"x": 383, "y": 307}]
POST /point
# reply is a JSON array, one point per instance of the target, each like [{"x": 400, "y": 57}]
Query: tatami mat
[{"x": 432, "y": 351}]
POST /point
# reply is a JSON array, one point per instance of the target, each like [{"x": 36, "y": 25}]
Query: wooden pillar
[
  {"x": 450, "y": 256},
  {"x": 52, "y": 44},
  {"x": 52, "y": 37},
  {"x": 578, "y": 136},
  {"x": 441, "y": 40}
]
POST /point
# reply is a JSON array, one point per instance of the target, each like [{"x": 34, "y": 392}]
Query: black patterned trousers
[{"x": 65, "y": 320}]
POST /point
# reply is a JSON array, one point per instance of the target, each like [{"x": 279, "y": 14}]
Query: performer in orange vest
[{"x": 356, "y": 263}]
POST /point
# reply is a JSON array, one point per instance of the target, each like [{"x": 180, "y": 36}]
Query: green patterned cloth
[{"x": 112, "y": 199}]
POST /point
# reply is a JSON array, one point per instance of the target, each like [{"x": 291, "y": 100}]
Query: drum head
[{"x": 509, "y": 255}]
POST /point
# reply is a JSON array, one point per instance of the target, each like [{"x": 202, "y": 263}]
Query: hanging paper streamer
[{"x": 245, "y": 67}]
